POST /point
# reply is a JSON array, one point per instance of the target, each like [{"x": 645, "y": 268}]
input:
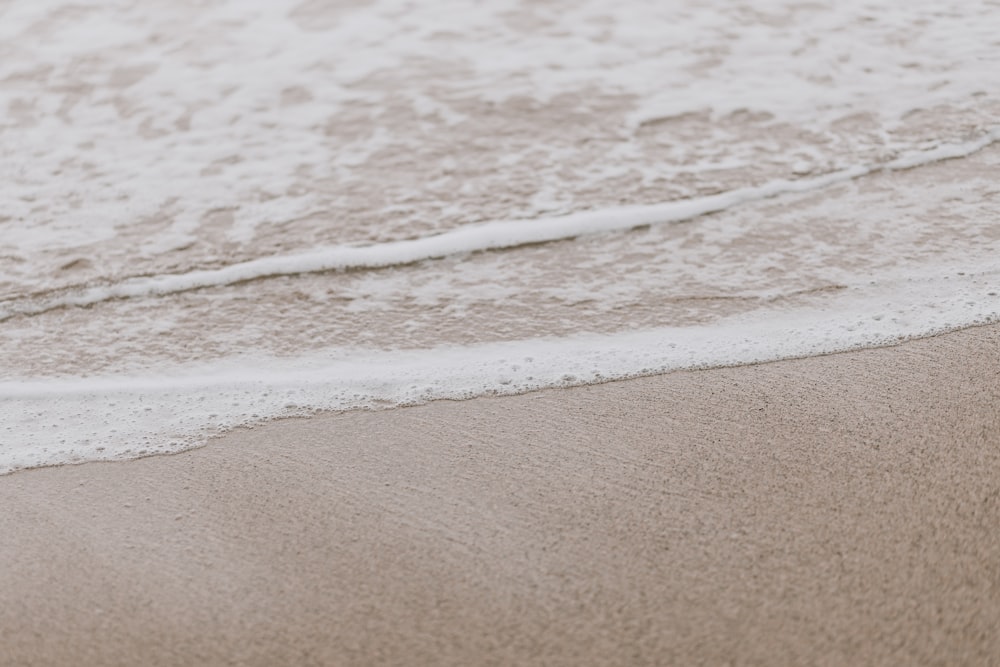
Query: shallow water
[{"x": 221, "y": 212}]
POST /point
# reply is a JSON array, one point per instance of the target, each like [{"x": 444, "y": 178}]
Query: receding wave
[{"x": 124, "y": 416}]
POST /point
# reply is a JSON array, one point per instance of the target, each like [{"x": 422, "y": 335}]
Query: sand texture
[{"x": 831, "y": 511}]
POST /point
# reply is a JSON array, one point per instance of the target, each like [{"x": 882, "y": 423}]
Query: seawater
[{"x": 220, "y": 213}]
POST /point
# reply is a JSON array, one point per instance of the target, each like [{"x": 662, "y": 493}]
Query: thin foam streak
[{"x": 494, "y": 235}]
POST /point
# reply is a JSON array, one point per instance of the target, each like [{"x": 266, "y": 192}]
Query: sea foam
[
  {"x": 77, "y": 419},
  {"x": 494, "y": 235},
  {"x": 222, "y": 213}
]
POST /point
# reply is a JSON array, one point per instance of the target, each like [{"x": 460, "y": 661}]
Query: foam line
[
  {"x": 494, "y": 235},
  {"x": 736, "y": 340},
  {"x": 55, "y": 420}
]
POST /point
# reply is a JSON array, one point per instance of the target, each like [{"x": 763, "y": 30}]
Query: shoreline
[{"x": 828, "y": 510}]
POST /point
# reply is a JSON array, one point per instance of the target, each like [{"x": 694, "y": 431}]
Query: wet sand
[{"x": 833, "y": 510}]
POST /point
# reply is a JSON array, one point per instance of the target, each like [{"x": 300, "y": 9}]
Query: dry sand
[{"x": 834, "y": 510}]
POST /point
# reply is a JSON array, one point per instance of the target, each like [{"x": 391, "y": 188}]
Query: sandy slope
[{"x": 833, "y": 510}]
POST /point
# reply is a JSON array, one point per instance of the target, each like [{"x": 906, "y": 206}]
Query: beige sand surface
[{"x": 830, "y": 511}]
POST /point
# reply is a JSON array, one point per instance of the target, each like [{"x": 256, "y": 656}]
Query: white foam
[
  {"x": 143, "y": 139},
  {"x": 165, "y": 112},
  {"x": 78, "y": 419},
  {"x": 493, "y": 235}
]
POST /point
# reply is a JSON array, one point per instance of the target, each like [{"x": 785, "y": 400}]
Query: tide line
[{"x": 494, "y": 235}]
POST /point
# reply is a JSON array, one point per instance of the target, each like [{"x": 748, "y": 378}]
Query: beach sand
[{"x": 835, "y": 510}]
